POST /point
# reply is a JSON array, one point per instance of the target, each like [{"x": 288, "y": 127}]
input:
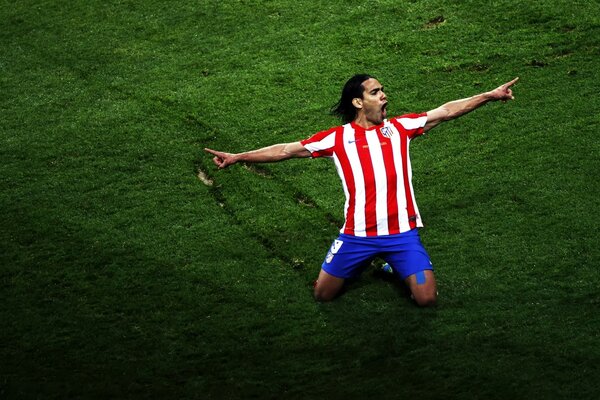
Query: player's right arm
[{"x": 274, "y": 153}]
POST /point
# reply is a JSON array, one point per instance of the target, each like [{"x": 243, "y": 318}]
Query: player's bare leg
[
  {"x": 327, "y": 286},
  {"x": 423, "y": 288}
]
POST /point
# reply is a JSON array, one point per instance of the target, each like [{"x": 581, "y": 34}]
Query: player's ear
[{"x": 357, "y": 102}]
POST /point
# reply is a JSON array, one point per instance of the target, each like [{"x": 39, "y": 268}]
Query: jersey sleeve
[
  {"x": 320, "y": 144},
  {"x": 413, "y": 123}
]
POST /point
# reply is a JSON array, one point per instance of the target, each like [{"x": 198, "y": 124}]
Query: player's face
[{"x": 374, "y": 101}]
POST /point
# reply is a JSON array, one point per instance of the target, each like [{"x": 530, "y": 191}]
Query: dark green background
[{"x": 122, "y": 275}]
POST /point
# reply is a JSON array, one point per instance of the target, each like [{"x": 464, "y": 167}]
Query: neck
[{"x": 363, "y": 122}]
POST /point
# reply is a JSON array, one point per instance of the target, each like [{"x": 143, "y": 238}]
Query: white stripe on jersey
[
  {"x": 413, "y": 123},
  {"x": 381, "y": 206},
  {"x": 401, "y": 196},
  {"x": 326, "y": 143},
  {"x": 412, "y": 190},
  {"x": 340, "y": 172},
  {"x": 359, "y": 181}
]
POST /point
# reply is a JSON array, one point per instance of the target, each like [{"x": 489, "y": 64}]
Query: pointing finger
[
  {"x": 509, "y": 84},
  {"x": 213, "y": 152}
]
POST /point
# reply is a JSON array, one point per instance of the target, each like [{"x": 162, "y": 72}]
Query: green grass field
[{"x": 124, "y": 276}]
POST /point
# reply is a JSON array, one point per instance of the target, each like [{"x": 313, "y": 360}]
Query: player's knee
[
  {"x": 322, "y": 294},
  {"x": 426, "y": 299},
  {"x": 327, "y": 287}
]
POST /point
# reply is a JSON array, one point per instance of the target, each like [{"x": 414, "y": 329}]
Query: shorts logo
[
  {"x": 329, "y": 257},
  {"x": 335, "y": 247},
  {"x": 387, "y": 132}
]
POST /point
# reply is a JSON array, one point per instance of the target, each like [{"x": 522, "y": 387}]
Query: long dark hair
[{"x": 352, "y": 89}]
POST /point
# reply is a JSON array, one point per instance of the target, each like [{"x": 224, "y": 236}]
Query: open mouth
[{"x": 384, "y": 109}]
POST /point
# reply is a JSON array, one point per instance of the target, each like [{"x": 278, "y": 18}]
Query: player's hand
[
  {"x": 222, "y": 159},
  {"x": 504, "y": 92}
]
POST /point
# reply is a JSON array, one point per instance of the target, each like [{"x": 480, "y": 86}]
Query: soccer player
[{"x": 371, "y": 155}]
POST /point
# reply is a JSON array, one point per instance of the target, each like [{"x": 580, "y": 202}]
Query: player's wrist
[{"x": 234, "y": 158}]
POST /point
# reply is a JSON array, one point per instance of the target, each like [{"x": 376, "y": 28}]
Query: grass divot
[
  {"x": 305, "y": 200},
  {"x": 204, "y": 178},
  {"x": 435, "y": 22}
]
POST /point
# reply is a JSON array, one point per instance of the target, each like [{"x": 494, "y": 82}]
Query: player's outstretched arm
[
  {"x": 455, "y": 109},
  {"x": 276, "y": 152}
]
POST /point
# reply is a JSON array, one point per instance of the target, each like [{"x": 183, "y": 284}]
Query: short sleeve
[
  {"x": 413, "y": 124},
  {"x": 321, "y": 144}
]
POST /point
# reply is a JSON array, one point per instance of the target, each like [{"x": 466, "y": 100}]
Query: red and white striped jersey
[{"x": 375, "y": 170}]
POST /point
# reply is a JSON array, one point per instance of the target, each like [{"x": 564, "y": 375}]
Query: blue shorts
[{"x": 350, "y": 255}]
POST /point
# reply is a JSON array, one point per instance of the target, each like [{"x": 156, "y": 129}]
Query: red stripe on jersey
[
  {"x": 340, "y": 152},
  {"x": 410, "y": 208},
  {"x": 392, "y": 184},
  {"x": 366, "y": 163}
]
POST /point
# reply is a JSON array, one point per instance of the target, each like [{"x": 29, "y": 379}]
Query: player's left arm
[{"x": 455, "y": 109}]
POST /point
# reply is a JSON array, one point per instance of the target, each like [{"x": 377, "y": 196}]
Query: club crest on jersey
[{"x": 387, "y": 132}]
